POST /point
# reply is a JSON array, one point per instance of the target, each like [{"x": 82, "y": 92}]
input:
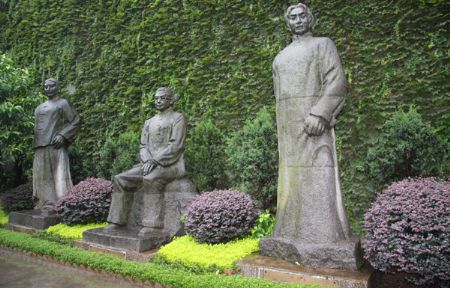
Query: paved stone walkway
[{"x": 22, "y": 271}]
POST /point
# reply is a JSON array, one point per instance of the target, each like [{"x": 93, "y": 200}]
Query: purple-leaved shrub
[
  {"x": 86, "y": 202},
  {"x": 220, "y": 216},
  {"x": 408, "y": 230}
]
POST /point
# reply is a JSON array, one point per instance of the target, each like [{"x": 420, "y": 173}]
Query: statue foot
[
  {"x": 146, "y": 231},
  {"x": 48, "y": 210},
  {"x": 112, "y": 227}
]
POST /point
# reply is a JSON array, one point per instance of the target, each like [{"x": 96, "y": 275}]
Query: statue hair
[
  {"x": 53, "y": 80},
  {"x": 307, "y": 10},
  {"x": 168, "y": 92}
]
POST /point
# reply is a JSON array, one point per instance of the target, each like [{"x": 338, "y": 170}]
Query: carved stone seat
[{"x": 178, "y": 194}]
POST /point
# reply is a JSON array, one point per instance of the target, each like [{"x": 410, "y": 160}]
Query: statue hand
[
  {"x": 148, "y": 167},
  {"x": 58, "y": 141},
  {"x": 314, "y": 126}
]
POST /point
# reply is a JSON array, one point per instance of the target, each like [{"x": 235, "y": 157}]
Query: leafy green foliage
[
  {"x": 17, "y": 104},
  {"x": 264, "y": 225},
  {"x": 252, "y": 157},
  {"x": 72, "y": 231},
  {"x": 44, "y": 235},
  {"x": 218, "y": 55},
  {"x": 205, "y": 156},
  {"x": 407, "y": 147},
  {"x": 118, "y": 154},
  {"x": 186, "y": 250},
  {"x": 155, "y": 273}
]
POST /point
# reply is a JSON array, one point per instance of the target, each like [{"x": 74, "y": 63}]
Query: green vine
[{"x": 217, "y": 54}]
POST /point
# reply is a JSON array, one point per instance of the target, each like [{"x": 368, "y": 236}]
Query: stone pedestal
[
  {"x": 341, "y": 255},
  {"x": 274, "y": 269},
  {"x": 31, "y": 219},
  {"x": 178, "y": 195},
  {"x": 125, "y": 239}
]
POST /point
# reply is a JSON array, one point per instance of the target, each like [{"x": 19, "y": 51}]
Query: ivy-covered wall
[{"x": 112, "y": 55}]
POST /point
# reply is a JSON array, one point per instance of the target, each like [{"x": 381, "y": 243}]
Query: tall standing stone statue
[
  {"x": 56, "y": 124},
  {"x": 309, "y": 86},
  {"x": 150, "y": 197}
]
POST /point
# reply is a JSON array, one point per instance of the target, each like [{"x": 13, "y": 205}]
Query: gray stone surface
[
  {"x": 20, "y": 270},
  {"x": 339, "y": 255},
  {"x": 275, "y": 269},
  {"x": 34, "y": 219},
  {"x": 56, "y": 124},
  {"x": 178, "y": 194},
  {"x": 309, "y": 86},
  {"x": 125, "y": 238}
]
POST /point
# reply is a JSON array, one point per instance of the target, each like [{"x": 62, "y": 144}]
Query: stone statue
[
  {"x": 309, "y": 86},
  {"x": 161, "y": 161},
  {"x": 56, "y": 124}
]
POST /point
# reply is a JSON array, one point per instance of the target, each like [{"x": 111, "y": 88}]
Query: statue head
[
  {"x": 164, "y": 98},
  {"x": 51, "y": 86},
  {"x": 299, "y": 19}
]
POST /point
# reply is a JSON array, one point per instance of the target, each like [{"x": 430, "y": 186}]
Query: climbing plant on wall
[{"x": 112, "y": 55}]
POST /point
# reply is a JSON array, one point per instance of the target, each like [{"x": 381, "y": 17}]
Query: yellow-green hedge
[
  {"x": 190, "y": 253},
  {"x": 72, "y": 232}
]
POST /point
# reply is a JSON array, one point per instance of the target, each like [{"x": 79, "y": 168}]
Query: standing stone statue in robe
[
  {"x": 309, "y": 86},
  {"x": 56, "y": 124},
  {"x": 161, "y": 161}
]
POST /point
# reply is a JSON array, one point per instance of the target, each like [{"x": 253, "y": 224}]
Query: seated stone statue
[{"x": 161, "y": 162}]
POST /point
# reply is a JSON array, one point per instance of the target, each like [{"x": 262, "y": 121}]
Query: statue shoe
[
  {"x": 112, "y": 227},
  {"x": 48, "y": 210}
]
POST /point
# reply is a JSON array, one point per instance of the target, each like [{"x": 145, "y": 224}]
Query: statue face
[
  {"x": 51, "y": 88},
  {"x": 162, "y": 101},
  {"x": 298, "y": 21}
]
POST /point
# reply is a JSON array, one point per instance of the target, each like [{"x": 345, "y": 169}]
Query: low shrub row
[
  {"x": 72, "y": 232},
  {"x": 166, "y": 276},
  {"x": 189, "y": 253}
]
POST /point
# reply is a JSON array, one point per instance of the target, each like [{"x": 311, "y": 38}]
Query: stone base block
[
  {"x": 274, "y": 269},
  {"x": 121, "y": 253},
  {"x": 125, "y": 239},
  {"x": 33, "y": 219},
  {"x": 342, "y": 255},
  {"x": 178, "y": 194}
]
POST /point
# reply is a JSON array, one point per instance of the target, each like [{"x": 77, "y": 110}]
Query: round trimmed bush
[
  {"x": 407, "y": 230},
  {"x": 86, "y": 202},
  {"x": 220, "y": 216},
  {"x": 18, "y": 198}
]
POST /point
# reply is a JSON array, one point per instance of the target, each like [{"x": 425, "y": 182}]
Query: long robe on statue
[
  {"x": 308, "y": 80},
  {"x": 51, "y": 171}
]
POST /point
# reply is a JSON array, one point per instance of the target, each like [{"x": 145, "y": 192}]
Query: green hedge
[
  {"x": 111, "y": 56},
  {"x": 145, "y": 271}
]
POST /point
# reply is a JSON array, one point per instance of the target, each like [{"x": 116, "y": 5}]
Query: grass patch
[
  {"x": 166, "y": 276},
  {"x": 187, "y": 251},
  {"x": 73, "y": 231}
]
